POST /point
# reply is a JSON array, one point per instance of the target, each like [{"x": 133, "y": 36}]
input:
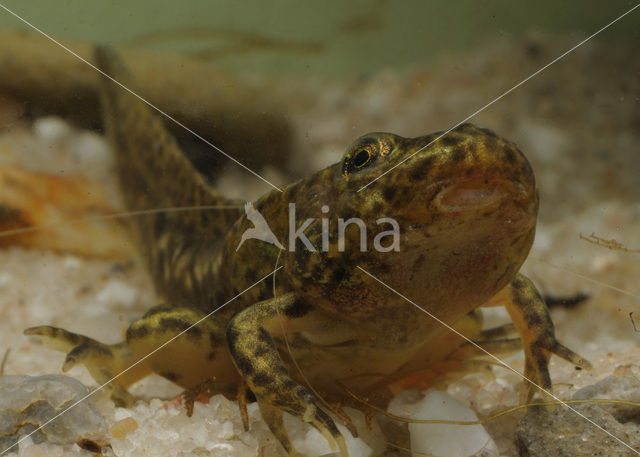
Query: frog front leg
[
  {"x": 531, "y": 317},
  {"x": 250, "y": 342}
]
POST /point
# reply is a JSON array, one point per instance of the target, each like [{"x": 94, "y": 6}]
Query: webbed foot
[
  {"x": 104, "y": 362},
  {"x": 257, "y": 358},
  {"x": 531, "y": 317}
]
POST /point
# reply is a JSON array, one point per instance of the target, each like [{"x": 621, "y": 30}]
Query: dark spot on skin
[
  {"x": 76, "y": 352},
  {"x": 173, "y": 323},
  {"x": 491, "y": 145},
  {"x": 471, "y": 148},
  {"x": 338, "y": 275},
  {"x": 260, "y": 352},
  {"x": 301, "y": 255},
  {"x": 262, "y": 379},
  {"x": 137, "y": 332},
  {"x": 517, "y": 283},
  {"x": 420, "y": 170},
  {"x": 194, "y": 332},
  {"x": 349, "y": 211},
  {"x": 389, "y": 192},
  {"x": 290, "y": 385},
  {"x": 510, "y": 155},
  {"x": 244, "y": 364},
  {"x": 211, "y": 355},
  {"x": 263, "y": 335},
  {"x": 297, "y": 309},
  {"x": 450, "y": 140},
  {"x": 533, "y": 320},
  {"x": 171, "y": 376},
  {"x": 377, "y": 208},
  {"x": 381, "y": 269},
  {"x": 417, "y": 265},
  {"x": 214, "y": 340},
  {"x": 177, "y": 325},
  {"x": 289, "y": 193},
  {"x": 458, "y": 155}
]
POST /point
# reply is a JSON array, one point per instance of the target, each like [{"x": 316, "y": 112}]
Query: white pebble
[
  {"x": 116, "y": 291},
  {"x": 51, "y": 129},
  {"x": 444, "y": 440}
]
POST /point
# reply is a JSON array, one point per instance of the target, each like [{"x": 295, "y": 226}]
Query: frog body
[{"x": 465, "y": 205}]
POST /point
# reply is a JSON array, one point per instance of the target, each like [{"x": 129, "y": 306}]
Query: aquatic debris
[
  {"x": 609, "y": 244},
  {"x": 63, "y": 213},
  {"x": 29, "y": 402}
]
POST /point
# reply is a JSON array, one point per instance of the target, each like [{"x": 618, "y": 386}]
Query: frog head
[{"x": 465, "y": 207}]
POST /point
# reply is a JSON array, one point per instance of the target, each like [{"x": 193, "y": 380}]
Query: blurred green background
[{"x": 332, "y": 37}]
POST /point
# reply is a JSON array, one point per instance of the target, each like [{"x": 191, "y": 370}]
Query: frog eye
[{"x": 360, "y": 155}]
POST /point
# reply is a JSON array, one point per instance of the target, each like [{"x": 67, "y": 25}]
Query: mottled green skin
[{"x": 466, "y": 206}]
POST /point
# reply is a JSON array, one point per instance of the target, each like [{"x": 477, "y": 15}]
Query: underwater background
[{"x": 285, "y": 87}]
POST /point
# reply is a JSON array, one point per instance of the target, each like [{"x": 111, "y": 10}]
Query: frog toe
[
  {"x": 537, "y": 363},
  {"x": 256, "y": 356},
  {"x": 325, "y": 425},
  {"x": 89, "y": 354},
  {"x": 301, "y": 404},
  {"x": 562, "y": 351},
  {"x": 58, "y": 339}
]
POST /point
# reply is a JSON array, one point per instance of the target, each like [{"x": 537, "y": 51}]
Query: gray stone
[
  {"x": 28, "y": 402},
  {"x": 559, "y": 432}
]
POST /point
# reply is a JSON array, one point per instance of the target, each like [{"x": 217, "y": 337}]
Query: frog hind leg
[
  {"x": 104, "y": 362},
  {"x": 531, "y": 317},
  {"x": 249, "y": 337},
  {"x": 187, "y": 347}
]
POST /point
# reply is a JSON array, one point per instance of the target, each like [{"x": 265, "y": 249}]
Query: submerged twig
[{"x": 611, "y": 244}]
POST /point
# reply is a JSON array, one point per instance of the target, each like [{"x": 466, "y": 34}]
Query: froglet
[{"x": 465, "y": 207}]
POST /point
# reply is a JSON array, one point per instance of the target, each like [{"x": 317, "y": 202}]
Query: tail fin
[{"x": 154, "y": 173}]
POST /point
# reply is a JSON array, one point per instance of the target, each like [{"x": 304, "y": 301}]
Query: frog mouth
[{"x": 482, "y": 192}]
